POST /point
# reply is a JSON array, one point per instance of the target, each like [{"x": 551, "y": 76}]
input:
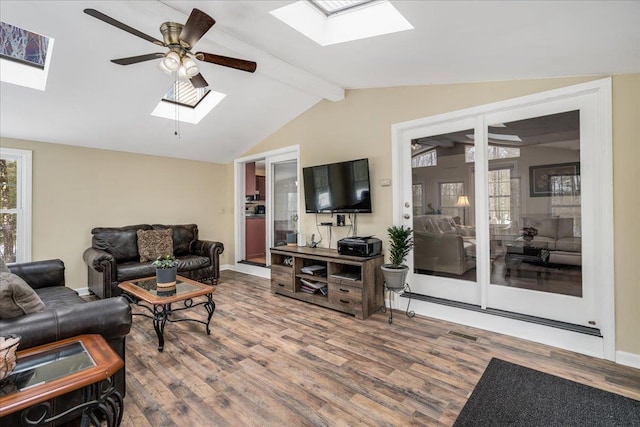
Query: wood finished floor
[{"x": 274, "y": 361}]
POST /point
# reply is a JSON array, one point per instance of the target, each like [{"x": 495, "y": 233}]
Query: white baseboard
[
  {"x": 254, "y": 270},
  {"x": 628, "y": 359},
  {"x": 83, "y": 292},
  {"x": 227, "y": 267},
  {"x": 568, "y": 340}
]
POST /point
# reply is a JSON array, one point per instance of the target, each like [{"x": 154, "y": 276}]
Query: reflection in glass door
[
  {"x": 444, "y": 230},
  {"x": 535, "y": 210},
  {"x": 285, "y": 202},
  {"x": 443, "y": 220},
  {"x": 535, "y": 217}
]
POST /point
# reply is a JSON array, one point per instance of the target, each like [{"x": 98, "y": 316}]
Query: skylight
[
  {"x": 187, "y": 104},
  {"x": 351, "y": 20},
  {"x": 25, "y": 56},
  {"x": 330, "y": 7},
  {"x": 184, "y": 93}
]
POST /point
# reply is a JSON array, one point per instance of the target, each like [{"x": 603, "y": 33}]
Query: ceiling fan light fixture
[
  {"x": 172, "y": 61},
  {"x": 164, "y": 67},
  {"x": 190, "y": 66}
]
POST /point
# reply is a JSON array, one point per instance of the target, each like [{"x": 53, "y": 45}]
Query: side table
[{"x": 46, "y": 372}]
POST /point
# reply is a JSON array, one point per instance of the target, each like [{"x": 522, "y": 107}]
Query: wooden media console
[{"x": 349, "y": 284}]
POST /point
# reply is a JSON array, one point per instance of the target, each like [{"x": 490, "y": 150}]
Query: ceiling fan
[{"x": 179, "y": 39}]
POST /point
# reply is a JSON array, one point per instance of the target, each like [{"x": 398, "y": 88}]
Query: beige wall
[
  {"x": 359, "y": 126},
  {"x": 76, "y": 189}
]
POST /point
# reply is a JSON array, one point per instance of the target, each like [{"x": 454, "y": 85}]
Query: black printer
[{"x": 360, "y": 246}]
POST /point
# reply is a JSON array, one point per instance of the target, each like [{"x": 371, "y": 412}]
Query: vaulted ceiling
[{"x": 92, "y": 102}]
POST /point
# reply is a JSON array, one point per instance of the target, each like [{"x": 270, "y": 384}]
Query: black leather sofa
[
  {"x": 66, "y": 315},
  {"x": 114, "y": 258}
]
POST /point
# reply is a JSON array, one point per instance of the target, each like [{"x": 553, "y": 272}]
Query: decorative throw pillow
[
  {"x": 3, "y": 266},
  {"x": 17, "y": 298},
  {"x": 155, "y": 243}
]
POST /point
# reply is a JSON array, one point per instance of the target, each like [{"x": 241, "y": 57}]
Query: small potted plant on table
[{"x": 166, "y": 271}]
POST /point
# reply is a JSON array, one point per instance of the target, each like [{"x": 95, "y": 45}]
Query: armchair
[{"x": 66, "y": 315}]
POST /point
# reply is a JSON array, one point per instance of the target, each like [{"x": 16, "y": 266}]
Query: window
[
  {"x": 418, "y": 199},
  {"x": 428, "y": 158},
  {"x": 335, "y": 6},
  {"x": 493, "y": 151},
  {"x": 15, "y": 205},
  {"x": 449, "y": 193},
  {"x": 184, "y": 93},
  {"x": 565, "y": 200},
  {"x": 328, "y": 22},
  {"x": 25, "y": 57},
  {"x": 500, "y": 196}
]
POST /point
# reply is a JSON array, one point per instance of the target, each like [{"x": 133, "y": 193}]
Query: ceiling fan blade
[
  {"x": 198, "y": 81},
  {"x": 135, "y": 59},
  {"x": 239, "y": 64},
  {"x": 109, "y": 20},
  {"x": 197, "y": 25}
]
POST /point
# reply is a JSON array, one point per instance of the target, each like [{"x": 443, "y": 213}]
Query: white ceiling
[{"x": 92, "y": 102}]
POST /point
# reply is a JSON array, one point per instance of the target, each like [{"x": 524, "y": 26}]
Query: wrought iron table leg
[
  {"x": 210, "y": 305},
  {"x": 159, "y": 320},
  {"x": 103, "y": 406}
]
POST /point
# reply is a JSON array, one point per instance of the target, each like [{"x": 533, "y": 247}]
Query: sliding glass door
[
  {"x": 444, "y": 257},
  {"x": 504, "y": 207}
]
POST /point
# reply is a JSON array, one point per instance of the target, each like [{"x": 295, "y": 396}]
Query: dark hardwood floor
[{"x": 274, "y": 361}]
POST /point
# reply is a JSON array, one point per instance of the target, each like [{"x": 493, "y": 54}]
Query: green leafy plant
[
  {"x": 167, "y": 261},
  {"x": 400, "y": 244}
]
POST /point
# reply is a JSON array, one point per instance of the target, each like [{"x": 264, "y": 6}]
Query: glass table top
[
  {"x": 151, "y": 286},
  {"x": 47, "y": 366}
]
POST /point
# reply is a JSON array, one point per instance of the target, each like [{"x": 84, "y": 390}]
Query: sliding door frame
[{"x": 403, "y": 133}]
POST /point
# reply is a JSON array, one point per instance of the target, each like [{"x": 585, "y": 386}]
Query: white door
[{"x": 474, "y": 181}]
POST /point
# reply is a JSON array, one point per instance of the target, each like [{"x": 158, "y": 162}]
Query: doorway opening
[{"x": 266, "y": 206}]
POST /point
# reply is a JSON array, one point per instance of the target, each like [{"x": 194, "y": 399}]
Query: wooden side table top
[
  {"x": 104, "y": 359},
  {"x": 185, "y": 289}
]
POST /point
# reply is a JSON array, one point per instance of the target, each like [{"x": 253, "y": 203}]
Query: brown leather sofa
[
  {"x": 66, "y": 315},
  {"x": 114, "y": 258}
]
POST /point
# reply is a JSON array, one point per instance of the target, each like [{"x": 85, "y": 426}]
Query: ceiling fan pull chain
[{"x": 176, "y": 88}]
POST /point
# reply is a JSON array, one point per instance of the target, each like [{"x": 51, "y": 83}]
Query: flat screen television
[{"x": 338, "y": 187}]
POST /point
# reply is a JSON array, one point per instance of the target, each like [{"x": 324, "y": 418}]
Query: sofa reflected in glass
[{"x": 443, "y": 246}]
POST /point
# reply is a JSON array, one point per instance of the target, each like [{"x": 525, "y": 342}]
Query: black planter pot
[{"x": 166, "y": 276}]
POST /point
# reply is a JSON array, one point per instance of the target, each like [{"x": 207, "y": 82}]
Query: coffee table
[
  {"x": 160, "y": 302},
  {"x": 51, "y": 370},
  {"x": 520, "y": 252}
]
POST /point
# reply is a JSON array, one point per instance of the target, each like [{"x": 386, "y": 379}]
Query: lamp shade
[
  {"x": 172, "y": 61},
  {"x": 164, "y": 67},
  {"x": 190, "y": 66},
  {"x": 463, "y": 202}
]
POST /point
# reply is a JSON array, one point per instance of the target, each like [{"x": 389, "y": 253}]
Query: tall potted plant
[
  {"x": 166, "y": 270},
  {"x": 400, "y": 244}
]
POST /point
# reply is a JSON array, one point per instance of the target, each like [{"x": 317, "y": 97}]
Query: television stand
[{"x": 345, "y": 283}]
